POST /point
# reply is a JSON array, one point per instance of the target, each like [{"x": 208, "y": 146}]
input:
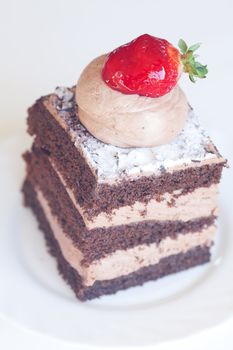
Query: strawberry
[{"x": 150, "y": 66}]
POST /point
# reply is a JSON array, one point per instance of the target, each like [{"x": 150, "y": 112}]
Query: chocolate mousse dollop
[{"x": 127, "y": 120}]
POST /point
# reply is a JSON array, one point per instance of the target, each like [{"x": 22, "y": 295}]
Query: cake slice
[{"x": 116, "y": 217}]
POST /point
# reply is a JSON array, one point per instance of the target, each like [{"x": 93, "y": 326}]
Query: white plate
[{"x": 35, "y": 296}]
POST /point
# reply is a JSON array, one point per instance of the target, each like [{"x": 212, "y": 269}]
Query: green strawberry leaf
[
  {"x": 194, "y": 47},
  {"x": 191, "y": 77},
  {"x": 201, "y": 70},
  {"x": 183, "y": 46}
]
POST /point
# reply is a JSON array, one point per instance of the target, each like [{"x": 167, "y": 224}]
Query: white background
[{"x": 47, "y": 43}]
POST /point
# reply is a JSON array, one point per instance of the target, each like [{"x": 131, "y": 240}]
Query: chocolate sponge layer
[
  {"x": 166, "y": 266},
  {"x": 97, "y": 197},
  {"x": 96, "y": 243}
]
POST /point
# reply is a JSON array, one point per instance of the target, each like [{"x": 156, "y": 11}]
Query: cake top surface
[{"x": 114, "y": 163}]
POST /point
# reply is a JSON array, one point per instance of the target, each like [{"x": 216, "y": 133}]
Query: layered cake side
[{"x": 117, "y": 217}]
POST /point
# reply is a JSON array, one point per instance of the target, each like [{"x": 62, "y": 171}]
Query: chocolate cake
[{"x": 116, "y": 217}]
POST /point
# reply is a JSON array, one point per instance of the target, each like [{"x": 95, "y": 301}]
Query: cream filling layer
[
  {"x": 201, "y": 202},
  {"x": 122, "y": 262}
]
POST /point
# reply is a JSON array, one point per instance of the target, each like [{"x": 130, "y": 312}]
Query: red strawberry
[{"x": 150, "y": 66}]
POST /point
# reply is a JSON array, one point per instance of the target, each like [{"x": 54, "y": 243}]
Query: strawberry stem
[{"x": 194, "y": 68}]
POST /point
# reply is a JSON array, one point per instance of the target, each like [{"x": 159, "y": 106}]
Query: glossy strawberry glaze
[{"x": 147, "y": 66}]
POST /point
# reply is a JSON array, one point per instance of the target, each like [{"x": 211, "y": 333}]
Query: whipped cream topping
[
  {"x": 127, "y": 120},
  {"x": 110, "y": 163}
]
